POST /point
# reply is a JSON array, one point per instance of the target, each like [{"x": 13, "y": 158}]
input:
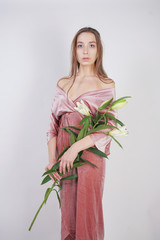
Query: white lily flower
[
  {"x": 82, "y": 108},
  {"x": 120, "y": 131}
]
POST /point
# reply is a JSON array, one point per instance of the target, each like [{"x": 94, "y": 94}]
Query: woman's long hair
[{"x": 99, "y": 70}]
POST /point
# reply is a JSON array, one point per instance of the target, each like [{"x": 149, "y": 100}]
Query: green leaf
[
  {"x": 105, "y": 104},
  {"x": 63, "y": 151},
  {"x": 59, "y": 186},
  {"x": 100, "y": 127},
  {"x": 79, "y": 154},
  {"x": 77, "y": 158},
  {"x": 110, "y": 116},
  {"x": 122, "y": 98},
  {"x": 71, "y": 127},
  {"x": 77, "y": 164},
  {"x": 98, "y": 115},
  {"x": 46, "y": 179},
  {"x": 116, "y": 141},
  {"x": 65, "y": 129},
  {"x": 53, "y": 177},
  {"x": 83, "y": 120},
  {"x": 59, "y": 200},
  {"x": 69, "y": 177},
  {"x": 115, "y": 119},
  {"x": 97, "y": 151},
  {"x": 55, "y": 167},
  {"x": 93, "y": 120},
  {"x": 71, "y": 132},
  {"x": 119, "y": 122},
  {"x": 81, "y": 133},
  {"x": 73, "y": 136},
  {"x": 86, "y": 127},
  {"x": 48, "y": 191},
  {"x": 88, "y": 162},
  {"x": 72, "y": 139},
  {"x": 105, "y": 119}
]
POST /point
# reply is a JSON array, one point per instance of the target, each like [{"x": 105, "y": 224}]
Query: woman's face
[{"x": 86, "y": 48}]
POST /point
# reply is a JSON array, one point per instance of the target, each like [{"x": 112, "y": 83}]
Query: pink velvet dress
[{"x": 81, "y": 198}]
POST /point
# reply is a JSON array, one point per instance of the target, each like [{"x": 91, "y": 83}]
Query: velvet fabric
[{"x": 81, "y": 198}]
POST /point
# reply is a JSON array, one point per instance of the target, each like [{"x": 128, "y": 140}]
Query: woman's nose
[{"x": 85, "y": 49}]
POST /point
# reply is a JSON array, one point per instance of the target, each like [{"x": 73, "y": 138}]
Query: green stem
[
  {"x": 101, "y": 116},
  {"x": 36, "y": 215},
  {"x": 40, "y": 207}
]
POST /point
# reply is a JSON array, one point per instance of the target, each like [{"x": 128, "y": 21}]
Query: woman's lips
[{"x": 85, "y": 58}]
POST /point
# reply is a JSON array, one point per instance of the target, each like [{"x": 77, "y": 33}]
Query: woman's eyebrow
[{"x": 89, "y": 42}]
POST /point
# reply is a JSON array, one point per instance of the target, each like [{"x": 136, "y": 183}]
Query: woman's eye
[{"x": 80, "y": 45}]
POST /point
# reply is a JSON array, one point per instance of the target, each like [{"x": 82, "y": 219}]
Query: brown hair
[{"x": 99, "y": 70}]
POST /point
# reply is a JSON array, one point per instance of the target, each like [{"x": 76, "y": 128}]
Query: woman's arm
[
  {"x": 52, "y": 133},
  {"x": 52, "y": 157},
  {"x": 83, "y": 144},
  {"x": 52, "y": 150},
  {"x": 52, "y": 140}
]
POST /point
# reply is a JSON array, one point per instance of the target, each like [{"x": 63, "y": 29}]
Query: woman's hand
[
  {"x": 55, "y": 174},
  {"x": 67, "y": 159}
]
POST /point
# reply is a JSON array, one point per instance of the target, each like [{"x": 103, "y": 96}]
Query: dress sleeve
[
  {"x": 101, "y": 140},
  {"x": 53, "y": 123}
]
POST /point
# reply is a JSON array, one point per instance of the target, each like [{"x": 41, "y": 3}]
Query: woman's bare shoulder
[
  {"x": 63, "y": 81},
  {"x": 108, "y": 83}
]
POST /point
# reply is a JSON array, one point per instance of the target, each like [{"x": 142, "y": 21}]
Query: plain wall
[{"x": 35, "y": 46}]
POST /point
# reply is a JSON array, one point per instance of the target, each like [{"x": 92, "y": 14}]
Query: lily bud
[
  {"x": 118, "y": 104},
  {"x": 120, "y": 131},
  {"x": 82, "y": 108}
]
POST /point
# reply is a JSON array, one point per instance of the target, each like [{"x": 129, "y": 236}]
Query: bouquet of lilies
[{"x": 90, "y": 124}]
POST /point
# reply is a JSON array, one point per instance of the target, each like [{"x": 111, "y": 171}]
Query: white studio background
[{"x": 35, "y": 46}]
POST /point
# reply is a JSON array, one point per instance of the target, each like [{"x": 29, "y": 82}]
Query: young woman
[{"x": 81, "y": 198}]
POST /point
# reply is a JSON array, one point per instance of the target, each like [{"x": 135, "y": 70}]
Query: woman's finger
[
  {"x": 52, "y": 178},
  {"x": 49, "y": 166},
  {"x": 68, "y": 167},
  {"x": 62, "y": 167},
  {"x": 57, "y": 175}
]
